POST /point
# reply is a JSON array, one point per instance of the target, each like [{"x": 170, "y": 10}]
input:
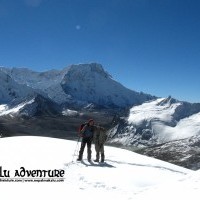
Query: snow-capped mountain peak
[
  {"x": 161, "y": 109},
  {"x": 82, "y": 83},
  {"x": 158, "y": 121},
  {"x": 90, "y": 83},
  {"x": 83, "y": 69}
]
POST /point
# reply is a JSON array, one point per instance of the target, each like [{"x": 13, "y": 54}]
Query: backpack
[{"x": 80, "y": 129}]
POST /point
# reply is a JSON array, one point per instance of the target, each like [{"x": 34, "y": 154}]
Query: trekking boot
[
  {"x": 79, "y": 159},
  {"x": 102, "y": 157},
  {"x": 97, "y": 158},
  {"x": 89, "y": 155},
  {"x": 80, "y": 155}
]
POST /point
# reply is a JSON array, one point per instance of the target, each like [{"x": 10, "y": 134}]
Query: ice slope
[{"x": 125, "y": 175}]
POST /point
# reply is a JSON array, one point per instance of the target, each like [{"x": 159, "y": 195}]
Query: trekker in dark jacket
[{"x": 87, "y": 135}]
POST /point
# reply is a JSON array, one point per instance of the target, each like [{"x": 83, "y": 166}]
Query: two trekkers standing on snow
[{"x": 88, "y": 133}]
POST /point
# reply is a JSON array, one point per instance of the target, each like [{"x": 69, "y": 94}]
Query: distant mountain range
[
  {"x": 150, "y": 120},
  {"x": 76, "y": 85}
]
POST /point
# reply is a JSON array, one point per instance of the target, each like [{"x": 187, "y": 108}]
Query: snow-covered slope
[
  {"x": 125, "y": 175},
  {"x": 48, "y": 82},
  {"x": 34, "y": 106},
  {"x": 10, "y": 90},
  {"x": 90, "y": 83},
  {"x": 5, "y": 110},
  {"x": 83, "y": 83},
  {"x": 158, "y": 121}
]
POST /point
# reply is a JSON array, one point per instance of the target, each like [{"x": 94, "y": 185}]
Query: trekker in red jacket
[{"x": 87, "y": 133}]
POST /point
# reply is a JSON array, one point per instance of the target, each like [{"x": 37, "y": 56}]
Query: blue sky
[{"x": 148, "y": 45}]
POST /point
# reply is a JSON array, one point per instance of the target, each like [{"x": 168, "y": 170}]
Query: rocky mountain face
[
  {"x": 156, "y": 122},
  {"x": 184, "y": 152}
]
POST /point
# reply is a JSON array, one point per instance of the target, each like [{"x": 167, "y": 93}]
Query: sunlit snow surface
[
  {"x": 4, "y": 109},
  {"x": 69, "y": 112},
  {"x": 125, "y": 175},
  {"x": 152, "y": 110},
  {"x": 160, "y": 115}
]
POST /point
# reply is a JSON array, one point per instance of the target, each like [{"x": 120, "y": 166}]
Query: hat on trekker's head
[{"x": 90, "y": 120}]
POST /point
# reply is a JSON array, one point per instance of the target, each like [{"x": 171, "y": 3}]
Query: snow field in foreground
[{"x": 125, "y": 175}]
